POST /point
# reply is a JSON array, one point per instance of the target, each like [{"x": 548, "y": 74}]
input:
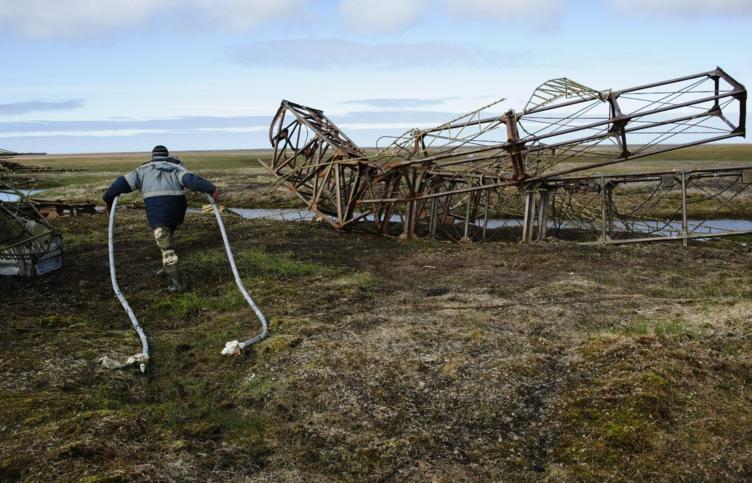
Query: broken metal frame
[
  {"x": 635, "y": 227},
  {"x": 439, "y": 176},
  {"x": 29, "y": 245}
]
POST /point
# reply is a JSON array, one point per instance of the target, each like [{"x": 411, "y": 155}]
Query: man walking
[{"x": 162, "y": 181}]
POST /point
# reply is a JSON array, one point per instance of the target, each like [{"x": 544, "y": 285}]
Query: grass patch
[
  {"x": 258, "y": 261},
  {"x": 658, "y": 328},
  {"x": 356, "y": 281},
  {"x": 178, "y": 306}
]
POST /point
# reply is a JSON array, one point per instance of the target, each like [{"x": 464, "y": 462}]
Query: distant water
[
  {"x": 6, "y": 196},
  {"x": 659, "y": 228},
  {"x": 273, "y": 214}
]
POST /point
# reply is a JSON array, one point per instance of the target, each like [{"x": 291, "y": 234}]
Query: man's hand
[
  {"x": 107, "y": 208},
  {"x": 215, "y": 196}
]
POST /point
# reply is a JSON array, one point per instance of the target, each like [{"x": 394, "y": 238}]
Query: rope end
[
  {"x": 141, "y": 358},
  {"x": 232, "y": 348}
]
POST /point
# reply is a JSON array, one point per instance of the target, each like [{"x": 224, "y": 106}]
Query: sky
[{"x": 124, "y": 75}]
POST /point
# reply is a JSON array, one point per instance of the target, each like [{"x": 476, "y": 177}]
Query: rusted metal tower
[{"x": 448, "y": 174}]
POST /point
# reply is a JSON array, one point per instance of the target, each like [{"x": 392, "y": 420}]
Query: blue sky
[{"x": 117, "y": 75}]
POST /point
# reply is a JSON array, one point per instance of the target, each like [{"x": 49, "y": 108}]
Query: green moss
[
  {"x": 177, "y": 306},
  {"x": 259, "y": 387},
  {"x": 356, "y": 281},
  {"x": 663, "y": 328},
  {"x": 59, "y": 321},
  {"x": 623, "y": 429},
  {"x": 616, "y": 416},
  {"x": 280, "y": 342},
  {"x": 257, "y": 261}
]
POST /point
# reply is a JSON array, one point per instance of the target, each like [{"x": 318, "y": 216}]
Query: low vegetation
[{"x": 423, "y": 360}]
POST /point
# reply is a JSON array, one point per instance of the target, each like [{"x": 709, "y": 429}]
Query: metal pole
[
  {"x": 604, "y": 216},
  {"x": 684, "y": 208},
  {"x": 466, "y": 238},
  {"x": 543, "y": 215},
  {"x": 527, "y": 221},
  {"x": 609, "y": 204},
  {"x": 485, "y": 215}
]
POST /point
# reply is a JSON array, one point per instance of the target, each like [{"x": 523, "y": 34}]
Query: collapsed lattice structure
[
  {"x": 29, "y": 245},
  {"x": 449, "y": 176}
]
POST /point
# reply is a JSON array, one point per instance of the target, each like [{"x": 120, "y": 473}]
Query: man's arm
[
  {"x": 123, "y": 184},
  {"x": 116, "y": 189},
  {"x": 195, "y": 182}
]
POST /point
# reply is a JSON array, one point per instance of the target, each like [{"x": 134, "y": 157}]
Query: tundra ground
[{"x": 422, "y": 360}]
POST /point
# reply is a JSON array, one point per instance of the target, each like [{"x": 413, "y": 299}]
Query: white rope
[
  {"x": 234, "y": 347},
  {"x": 143, "y": 357},
  {"x": 231, "y": 348}
]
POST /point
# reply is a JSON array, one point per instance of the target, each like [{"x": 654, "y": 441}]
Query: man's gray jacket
[{"x": 162, "y": 182}]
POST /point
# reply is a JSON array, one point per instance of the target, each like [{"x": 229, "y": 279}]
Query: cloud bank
[
  {"x": 390, "y": 16},
  {"x": 683, "y": 7},
  {"x": 331, "y": 53},
  {"x": 400, "y": 102},
  {"x": 53, "y": 19},
  {"x": 381, "y": 16},
  {"x": 197, "y": 124},
  {"x": 58, "y": 19},
  {"x": 536, "y": 11},
  {"x": 25, "y": 107}
]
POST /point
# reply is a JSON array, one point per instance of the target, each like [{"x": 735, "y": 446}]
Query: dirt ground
[{"x": 414, "y": 361}]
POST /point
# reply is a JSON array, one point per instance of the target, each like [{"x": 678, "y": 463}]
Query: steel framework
[
  {"x": 29, "y": 245},
  {"x": 428, "y": 179}
]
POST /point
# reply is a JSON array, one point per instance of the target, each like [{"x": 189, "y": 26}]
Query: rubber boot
[{"x": 175, "y": 279}]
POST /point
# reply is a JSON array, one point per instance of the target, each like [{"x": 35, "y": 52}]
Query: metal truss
[
  {"x": 29, "y": 245},
  {"x": 640, "y": 207},
  {"x": 429, "y": 180}
]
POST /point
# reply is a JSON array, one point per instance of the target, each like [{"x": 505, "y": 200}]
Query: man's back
[
  {"x": 162, "y": 182},
  {"x": 157, "y": 178}
]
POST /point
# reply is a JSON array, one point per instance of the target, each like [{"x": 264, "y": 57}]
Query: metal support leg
[
  {"x": 485, "y": 214},
  {"x": 432, "y": 227},
  {"x": 685, "y": 230},
  {"x": 604, "y": 210},
  {"x": 466, "y": 238},
  {"x": 543, "y": 215},
  {"x": 609, "y": 211},
  {"x": 529, "y": 218}
]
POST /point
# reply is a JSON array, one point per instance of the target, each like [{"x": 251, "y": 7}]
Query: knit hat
[{"x": 159, "y": 151}]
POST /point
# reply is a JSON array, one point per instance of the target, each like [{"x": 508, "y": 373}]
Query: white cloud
[
  {"x": 684, "y": 7},
  {"x": 242, "y": 14},
  {"x": 401, "y": 102},
  {"x": 72, "y": 18},
  {"x": 388, "y": 16},
  {"x": 539, "y": 11},
  {"x": 55, "y": 19},
  {"x": 38, "y": 105},
  {"x": 338, "y": 53},
  {"x": 49, "y": 19},
  {"x": 381, "y": 16}
]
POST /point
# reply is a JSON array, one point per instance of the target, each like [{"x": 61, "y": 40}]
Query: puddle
[
  {"x": 11, "y": 196},
  {"x": 659, "y": 228}
]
